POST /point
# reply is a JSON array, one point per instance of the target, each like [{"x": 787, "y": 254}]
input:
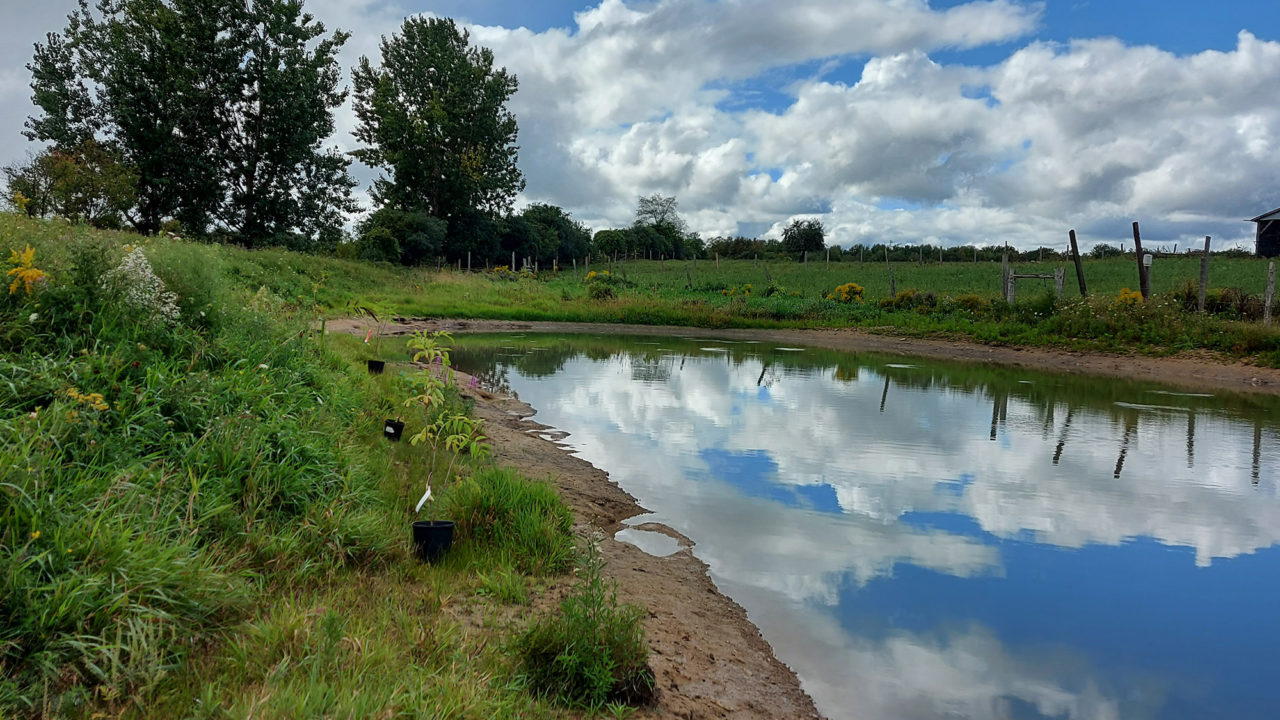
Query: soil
[{"x": 710, "y": 661}]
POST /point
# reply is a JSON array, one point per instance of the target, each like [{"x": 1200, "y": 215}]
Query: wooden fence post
[
  {"x": 688, "y": 278},
  {"x": 468, "y": 261},
  {"x": 1204, "y": 276},
  {"x": 1271, "y": 292},
  {"x": 1075, "y": 255},
  {"x": 893, "y": 289},
  {"x": 1144, "y": 280},
  {"x": 1004, "y": 276},
  {"x": 1059, "y": 275}
]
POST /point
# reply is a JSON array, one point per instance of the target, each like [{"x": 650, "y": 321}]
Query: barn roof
[{"x": 1273, "y": 215}]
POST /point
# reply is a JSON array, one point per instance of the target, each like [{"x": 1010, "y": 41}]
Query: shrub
[
  {"x": 910, "y": 299},
  {"x": 846, "y": 293},
  {"x": 591, "y": 652}
]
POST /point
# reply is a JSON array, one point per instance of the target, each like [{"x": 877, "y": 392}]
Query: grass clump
[
  {"x": 592, "y": 653},
  {"x": 506, "y": 513}
]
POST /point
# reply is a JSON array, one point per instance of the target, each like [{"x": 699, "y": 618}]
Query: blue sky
[{"x": 942, "y": 121}]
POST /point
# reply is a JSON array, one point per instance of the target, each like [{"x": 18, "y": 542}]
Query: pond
[{"x": 921, "y": 540}]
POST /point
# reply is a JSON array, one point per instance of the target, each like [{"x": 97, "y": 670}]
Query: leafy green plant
[
  {"x": 593, "y": 651},
  {"x": 456, "y": 433}
]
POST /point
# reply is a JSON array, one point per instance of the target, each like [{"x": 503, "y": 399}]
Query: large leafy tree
[
  {"x": 566, "y": 237},
  {"x": 658, "y": 225},
  {"x": 801, "y": 236},
  {"x": 433, "y": 117},
  {"x": 219, "y": 107}
]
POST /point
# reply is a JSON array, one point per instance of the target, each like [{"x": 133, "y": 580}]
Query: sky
[{"x": 902, "y": 121}]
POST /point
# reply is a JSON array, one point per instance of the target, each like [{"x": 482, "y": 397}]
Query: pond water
[{"x": 927, "y": 540}]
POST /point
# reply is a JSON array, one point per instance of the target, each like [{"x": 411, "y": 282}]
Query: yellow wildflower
[
  {"x": 35, "y": 535},
  {"x": 24, "y": 272}
]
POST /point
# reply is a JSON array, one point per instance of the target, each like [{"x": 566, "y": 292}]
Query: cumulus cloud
[
  {"x": 1091, "y": 134},
  {"x": 634, "y": 98}
]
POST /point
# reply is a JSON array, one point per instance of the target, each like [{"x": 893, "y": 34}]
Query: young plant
[
  {"x": 454, "y": 432},
  {"x": 381, "y": 313}
]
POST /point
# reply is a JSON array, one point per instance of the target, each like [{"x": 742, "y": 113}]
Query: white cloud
[{"x": 637, "y": 98}]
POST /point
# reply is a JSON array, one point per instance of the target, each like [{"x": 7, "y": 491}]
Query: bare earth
[{"x": 709, "y": 659}]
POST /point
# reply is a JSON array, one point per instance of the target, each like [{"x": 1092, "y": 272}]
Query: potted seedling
[
  {"x": 455, "y": 433},
  {"x": 382, "y": 314}
]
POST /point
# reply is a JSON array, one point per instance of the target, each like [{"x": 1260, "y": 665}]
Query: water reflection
[{"x": 920, "y": 540}]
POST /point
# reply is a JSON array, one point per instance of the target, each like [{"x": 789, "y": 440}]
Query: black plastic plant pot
[
  {"x": 375, "y": 366},
  {"x": 392, "y": 430},
  {"x": 432, "y": 538}
]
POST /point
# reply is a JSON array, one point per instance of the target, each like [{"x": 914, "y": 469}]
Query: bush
[
  {"x": 910, "y": 299},
  {"x": 521, "y": 518},
  {"x": 592, "y": 652},
  {"x": 846, "y": 293}
]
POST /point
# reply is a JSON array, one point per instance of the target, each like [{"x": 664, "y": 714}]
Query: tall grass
[{"x": 157, "y": 476}]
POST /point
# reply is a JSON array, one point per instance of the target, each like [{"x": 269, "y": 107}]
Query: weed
[{"x": 593, "y": 651}]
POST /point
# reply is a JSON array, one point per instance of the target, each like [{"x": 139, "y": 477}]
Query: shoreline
[{"x": 709, "y": 659}]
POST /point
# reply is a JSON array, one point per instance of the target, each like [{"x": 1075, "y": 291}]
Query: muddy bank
[
  {"x": 709, "y": 660},
  {"x": 1199, "y": 370}
]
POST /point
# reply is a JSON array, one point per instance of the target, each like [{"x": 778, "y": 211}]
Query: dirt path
[{"x": 709, "y": 659}]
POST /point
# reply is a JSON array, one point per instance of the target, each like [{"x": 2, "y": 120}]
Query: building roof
[{"x": 1273, "y": 215}]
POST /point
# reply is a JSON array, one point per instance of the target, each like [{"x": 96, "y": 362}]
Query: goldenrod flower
[
  {"x": 24, "y": 272},
  {"x": 35, "y": 535}
]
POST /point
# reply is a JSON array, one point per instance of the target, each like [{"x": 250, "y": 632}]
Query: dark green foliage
[
  {"x": 419, "y": 238},
  {"x": 612, "y": 242},
  {"x": 1102, "y": 251},
  {"x": 520, "y": 237},
  {"x": 513, "y": 515},
  {"x": 560, "y": 236},
  {"x": 475, "y": 232},
  {"x": 433, "y": 117},
  {"x": 379, "y": 245},
  {"x": 801, "y": 236},
  {"x": 217, "y": 109},
  {"x": 593, "y": 651}
]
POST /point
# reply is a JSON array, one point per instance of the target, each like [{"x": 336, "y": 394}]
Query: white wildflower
[
  {"x": 33, "y": 317},
  {"x": 141, "y": 289}
]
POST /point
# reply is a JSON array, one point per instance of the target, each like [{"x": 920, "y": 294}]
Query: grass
[
  {"x": 201, "y": 518},
  {"x": 592, "y": 654}
]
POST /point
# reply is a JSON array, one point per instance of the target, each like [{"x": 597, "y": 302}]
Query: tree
[
  {"x": 218, "y": 108},
  {"x": 419, "y": 237},
  {"x": 568, "y": 237},
  {"x": 87, "y": 184},
  {"x": 661, "y": 215},
  {"x": 433, "y": 118},
  {"x": 801, "y": 236}
]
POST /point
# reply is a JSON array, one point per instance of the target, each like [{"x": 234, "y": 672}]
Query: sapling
[
  {"x": 456, "y": 432},
  {"x": 380, "y": 312}
]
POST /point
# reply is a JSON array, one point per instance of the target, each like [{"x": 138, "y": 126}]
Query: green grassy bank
[{"x": 199, "y": 516}]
